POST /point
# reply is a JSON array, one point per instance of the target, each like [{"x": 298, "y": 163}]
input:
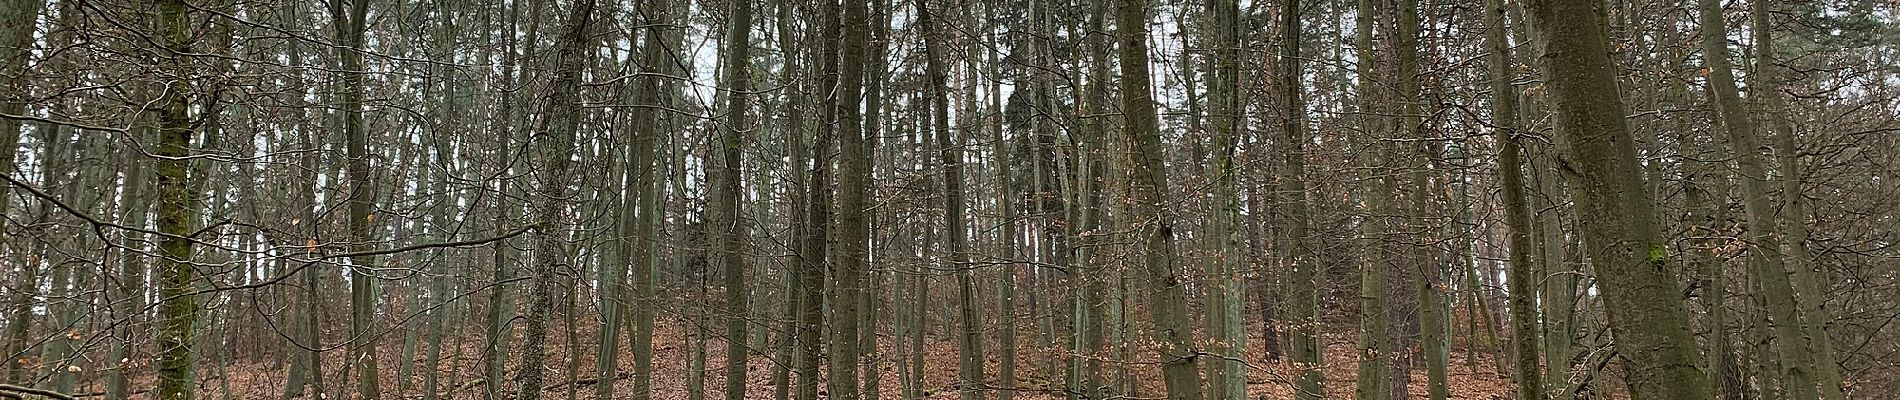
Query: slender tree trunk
[
  {"x": 853, "y": 201},
  {"x": 1304, "y": 293},
  {"x": 17, "y": 32},
  {"x": 728, "y": 178},
  {"x": 876, "y": 279},
  {"x": 347, "y": 18},
  {"x": 1517, "y": 214},
  {"x": 1228, "y": 117},
  {"x": 1431, "y": 310},
  {"x": 1810, "y": 280},
  {"x": 1765, "y": 259},
  {"x": 794, "y": 118},
  {"x": 130, "y": 301},
  {"x": 1094, "y": 155},
  {"x": 1643, "y": 302},
  {"x": 649, "y": 129},
  {"x": 970, "y": 354},
  {"x": 1375, "y": 355},
  {"x": 178, "y": 308},
  {"x": 817, "y": 225},
  {"x": 559, "y": 119}
]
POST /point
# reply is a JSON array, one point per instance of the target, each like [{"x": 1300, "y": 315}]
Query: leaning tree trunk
[
  {"x": 1618, "y": 228},
  {"x": 970, "y": 342},
  {"x": 1810, "y": 282},
  {"x": 1765, "y": 256}
]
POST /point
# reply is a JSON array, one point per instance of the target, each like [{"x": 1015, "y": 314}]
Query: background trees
[{"x": 1075, "y": 199}]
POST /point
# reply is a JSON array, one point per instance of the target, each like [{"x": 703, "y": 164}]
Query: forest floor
[{"x": 260, "y": 375}]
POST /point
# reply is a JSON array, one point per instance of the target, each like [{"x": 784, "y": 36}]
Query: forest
[{"x": 950, "y": 199}]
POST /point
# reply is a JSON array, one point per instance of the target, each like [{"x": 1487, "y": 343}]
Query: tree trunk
[
  {"x": 728, "y": 188},
  {"x": 1765, "y": 262},
  {"x": 1375, "y": 356},
  {"x": 17, "y": 22},
  {"x": 1517, "y": 214},
  {"x": 1173, "y": 329},
  {"x": 1228, "y": 117},
  {"x": 1810, "y": 280},
  {"x": 347, "y": 18},
  {"x": 1645, "y": 311},
  {"x": 559, "y": 119},
  {"x": 178, "y": 307},
  {"x": 950, "y": 151},
  {"x": 817, "y": 224},
  {"x": 1304, "y": 293}
]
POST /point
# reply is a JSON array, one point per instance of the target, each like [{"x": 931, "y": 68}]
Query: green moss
[{"x": 1658, "y": 256}]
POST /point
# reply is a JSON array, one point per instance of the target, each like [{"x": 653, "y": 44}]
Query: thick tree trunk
[
  {"x": 1620, "y": 235},
  {"x": 1166, "y": 280}
]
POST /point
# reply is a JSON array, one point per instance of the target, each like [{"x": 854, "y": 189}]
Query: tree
[
  {"x": 1375, "y": 353},
  {"x": 1646, "y": 314},
  {"x": 950, "y": 153},
  {"x": 1148, "y": 177},
  {"x": 559, "y": 118},
  {"x": 177, "y": 305},
  {"x": 16, "y": 30},
  {"x": 1229, "y": 380},
  {"x": 1765, "y": 261},
  {"x": 728, "y": 181},
  {"x": 853, "y": 256},
  {"x": 1809, "y": 281},
  {"x": 1523, "y": 278},
  {"x": 816, "y": 226},
  {"x": 1304, "y": 294}
]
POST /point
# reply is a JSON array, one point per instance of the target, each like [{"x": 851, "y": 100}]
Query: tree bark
[
  {"x": 559, "y": 119},
  {"x": 16, "y": 30},
  {"x": 1517, "y": 214},
  {"x": 1765, "y": 261},
  {"x": 1810, "y": 281},
  {"x": 1375, "y": 355},
  {"x": 728, "y": 178},
  {"x": 1304, "y": 293},
  {"x": 1645, "y": 311},
  {"x": 178, "y": 308},
  {"x": 1228, "y": 121},
  {"x": 1173, "y": 329}
]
